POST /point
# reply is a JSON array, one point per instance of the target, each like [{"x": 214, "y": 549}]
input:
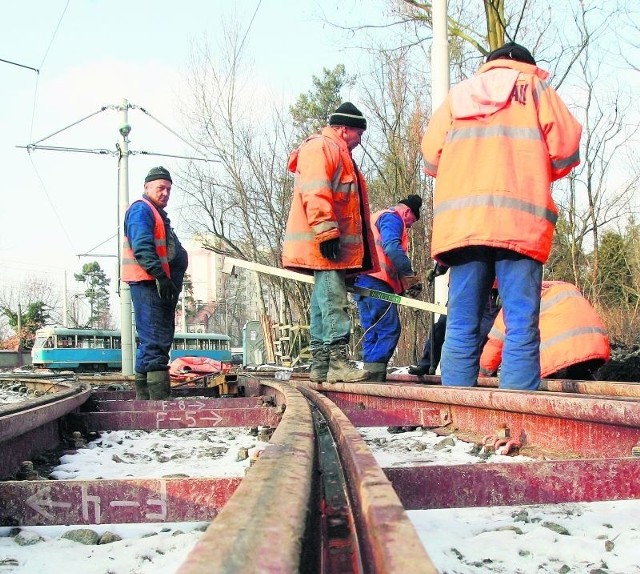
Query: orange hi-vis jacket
[
  {"x": 329, "y": 200},
  {"x": 495, "y": 145},
  {"x": 388, "y": 272},
  {"x": 570, "y": 332},
  {"x": 131, "y": 269}
]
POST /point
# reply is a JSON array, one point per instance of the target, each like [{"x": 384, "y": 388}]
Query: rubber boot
[
  {"x": 377, "y": 372},
  {"x": 339, "y": 368},
  {"x": 142, "y": 389},
  {"x": 319, "y": 365},
  {"x": 159, "y": 385}
]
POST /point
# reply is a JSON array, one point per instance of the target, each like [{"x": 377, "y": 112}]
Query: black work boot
[
  {"x": 142, "y": 389},
  {"x": 159, "y": 385},
  {"x": 319, "y": 365},
  {"x": 339, "y": 368},
  {"x": 377, "y": 372}
]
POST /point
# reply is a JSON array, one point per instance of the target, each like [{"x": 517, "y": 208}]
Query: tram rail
[{"x": 316, "y": 500}]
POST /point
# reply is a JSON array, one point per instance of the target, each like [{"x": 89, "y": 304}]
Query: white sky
[
  {"x": 58, "y": 204},
  {"x": 460, "y": 541}
]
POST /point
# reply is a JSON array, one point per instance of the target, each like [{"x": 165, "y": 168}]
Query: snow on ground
[
  {"x": 11, "y": 393},
  {"x": 595, "y": 538},
  {"x": 154, "y": 454}
]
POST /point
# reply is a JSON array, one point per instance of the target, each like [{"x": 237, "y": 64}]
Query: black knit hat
[
  {"x": 512, "y": 51},
  {"x": 348, "y": 115},
  {"x": 414, "y": 202},
  {"x": 158, "y": 173}
]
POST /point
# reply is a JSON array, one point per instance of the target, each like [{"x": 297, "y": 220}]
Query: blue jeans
[
  {"x": 330, "y": 323},
  {"x": 473, "y": 270},
  {"x": 380, "y": 320},
  {"x": 155, "y": 326}
]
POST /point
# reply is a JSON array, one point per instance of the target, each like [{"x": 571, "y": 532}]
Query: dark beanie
[
  {"x": 348, "y": 115},
  {"x": 158, "y": 173},
  {"x": 414, "y": 202},
  {"x": 512, "y": 51}
]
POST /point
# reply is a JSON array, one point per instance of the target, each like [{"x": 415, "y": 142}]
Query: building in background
[{"x": 222, "y": 303}]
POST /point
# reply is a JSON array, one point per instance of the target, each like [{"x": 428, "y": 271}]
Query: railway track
[{"x": 316, "y": 500}]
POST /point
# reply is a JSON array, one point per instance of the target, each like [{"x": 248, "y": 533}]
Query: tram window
[
  {"x": 192, "y": 344},
  {"x": 85, "y": 342},
  {"x": 66, "y": 341},
  {"x": 43, "y": 342},
  {"x": 178, "y": 344}
]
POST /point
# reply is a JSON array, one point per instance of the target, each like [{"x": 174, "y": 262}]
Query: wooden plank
[{"x": 230, "y": 263}]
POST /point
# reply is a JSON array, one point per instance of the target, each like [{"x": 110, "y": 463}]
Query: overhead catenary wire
[
  {"x": 20, "y": 65},
  {"x": 46, "y": 54}
]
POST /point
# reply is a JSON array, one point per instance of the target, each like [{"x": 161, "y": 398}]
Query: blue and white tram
[{"x": 100, "y": 350}]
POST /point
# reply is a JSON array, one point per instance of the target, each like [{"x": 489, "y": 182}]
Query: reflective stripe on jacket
[
  {"x": 329, "y": 200},
  {"x": 495, "y": 145},
  {"x": 388, "y": 272},
  {"x": 131, "y": 269},
  {"x": 571, "y": 331}
]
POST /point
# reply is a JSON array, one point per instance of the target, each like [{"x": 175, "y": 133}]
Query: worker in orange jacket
[
  {"x": 329, "y": 234},
  {"x": 495, "y": 145},
  {"x": 574, "y": 342}
]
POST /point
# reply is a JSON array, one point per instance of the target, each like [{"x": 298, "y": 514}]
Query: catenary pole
[
  {"x": 439, "y": 91},
  {"x": 126, "y": 312}
]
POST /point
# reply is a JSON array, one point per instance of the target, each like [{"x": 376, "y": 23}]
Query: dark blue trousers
[{"x": 155, "y": 327}]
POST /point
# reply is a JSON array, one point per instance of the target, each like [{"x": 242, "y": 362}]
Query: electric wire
[
  {"x": 53, "y": 207},
  {"x": 46, "y": 54},
  {"x": 19, "y": 65}
]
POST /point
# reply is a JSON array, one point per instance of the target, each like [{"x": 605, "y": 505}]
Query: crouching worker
[
  {"x": 574, "y": 342},
  {"x": 328, "y": 234},
  {"x": 153, "y": 264},
  {"x": 380, "y": 319}
]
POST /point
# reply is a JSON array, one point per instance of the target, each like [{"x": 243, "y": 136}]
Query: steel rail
[
  {"x": 599, "y": 388},
  {"x": 262, "y": 527},
  {"x": 388, "y": 540},
  {"x": 33, "y": 426},
  {"x": 52, "y": 391}
]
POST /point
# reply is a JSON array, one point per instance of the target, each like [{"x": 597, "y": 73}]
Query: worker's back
[{"x": 571, "y": 333}]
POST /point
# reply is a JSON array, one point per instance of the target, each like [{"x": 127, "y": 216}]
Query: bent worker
[
  {"x": 495, "y": 145},
  {"x": 574, "y": 342},
  {"x": 153, "y": 264},
  {"x": 328, "y": 234},
  {"x": 380, "y": 319}
]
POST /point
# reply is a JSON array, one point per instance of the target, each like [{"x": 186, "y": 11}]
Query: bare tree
[
  {"x": 598, "y": 194},
  {"x": 238, "y": 205},
  {"x": 31, "y": 304}
]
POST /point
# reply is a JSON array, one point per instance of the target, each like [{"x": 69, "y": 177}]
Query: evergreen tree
[
  {"x": 615, "y": 279},
  {"x": 35, "y": 317},
  {"x": 96, "y": 294},
  {"x": 312, "y": 110}
]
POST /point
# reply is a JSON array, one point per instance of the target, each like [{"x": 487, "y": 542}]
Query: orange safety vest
[
  {"x": 131, "y": 270},
  {"x": 495, "y": 160},
  {"x": 329, "y": 200},
  {"x": 570, "y": 331},
  {"x": 387, "y": 272}
]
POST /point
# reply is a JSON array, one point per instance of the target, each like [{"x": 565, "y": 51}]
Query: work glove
[
  {"x": 411, "y": 285},
  {"x": 330, "y": 248},
  {"x": 166, "y": 288},
  {"x": 438, "y": 269}
]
